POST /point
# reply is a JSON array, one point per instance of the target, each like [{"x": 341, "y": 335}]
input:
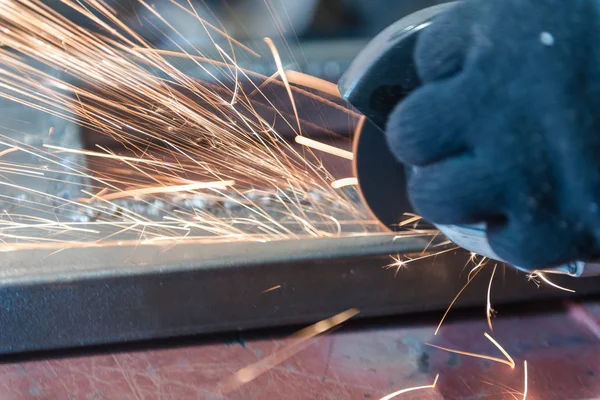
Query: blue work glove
[{"x": 506, "y": 128}]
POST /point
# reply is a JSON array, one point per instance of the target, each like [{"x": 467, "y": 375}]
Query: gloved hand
[{"x": 506, "y": 128}]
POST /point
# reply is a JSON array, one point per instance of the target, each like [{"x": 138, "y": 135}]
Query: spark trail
[{"x": 198, "y": 162}]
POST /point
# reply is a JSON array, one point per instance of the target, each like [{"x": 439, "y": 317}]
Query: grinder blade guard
[{"x": 376, "y": 81}]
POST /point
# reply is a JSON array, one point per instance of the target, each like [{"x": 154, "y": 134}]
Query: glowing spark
[
  {"x": 470, "y": 278},
  {"x": 7, "y": 151},
  {"x": 178, "y": 134},
  {"x": 508, "y": 357},
  {"x": 319, "y": 84},
  {"x": 398, "y": 264},
  {"x": 271, "y": 289},
  {"x": 105, "y": 155},
  {"x": 508, "y": 361},
  {"x": 336, "y": 151},
  {"x": 399, "y": 392},
  {"x": 526, "y": 384},
  {"x": 542, "y": 276},
  {"x": 410, "y": 220},
  {"x": 277, "y": 59},
  {"x": 301, "y": 340},
  {"x": 488, "y": 309},
  {"x": 168, "y": 189},
  {"x": 340, "y": 183},
  {"x": 481, "y": 263},
  {"x": 410, "y": 260}
]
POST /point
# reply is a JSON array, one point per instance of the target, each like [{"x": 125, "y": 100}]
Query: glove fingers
[
  {"x": 442, "y": 47},
  {"x": 531, "y": 245},
  {"x": 456, "y": 191},
  {"x": 539, "y": 239},
  {"x": 428, "y": 125}
]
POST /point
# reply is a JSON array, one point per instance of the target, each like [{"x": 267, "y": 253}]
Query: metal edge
[
  {"x": 30, "y": 266},
  {"x": 199, "y": 298}
]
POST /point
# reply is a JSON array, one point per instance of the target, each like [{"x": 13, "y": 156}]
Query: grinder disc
[
  {"x": 382, "y": 179},
  {"x": 377, "y": 80}
]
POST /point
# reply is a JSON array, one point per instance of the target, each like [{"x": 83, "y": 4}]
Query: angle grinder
[{"x": 380, "y": 77}]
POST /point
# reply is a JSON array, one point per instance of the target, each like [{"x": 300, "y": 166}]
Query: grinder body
[{"x": 380, "y": 77}]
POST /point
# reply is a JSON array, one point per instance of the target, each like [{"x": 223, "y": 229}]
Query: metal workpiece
[
  {"x": 100, "y": 295},
  {"x": 172, "y": 256}
]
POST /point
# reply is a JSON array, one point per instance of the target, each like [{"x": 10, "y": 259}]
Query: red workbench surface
[{"x": 362, "y": 360}]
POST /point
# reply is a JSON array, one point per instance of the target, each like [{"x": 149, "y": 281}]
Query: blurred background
[
  {"x": 321, "y": 36},
  {"x": 316, "y": 37}
]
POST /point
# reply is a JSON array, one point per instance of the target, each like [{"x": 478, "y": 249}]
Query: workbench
[{"x": 362, "y": 360}]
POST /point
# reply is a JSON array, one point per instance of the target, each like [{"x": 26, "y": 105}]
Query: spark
[
  {"x": 300, "y": 340},
  {"x": 477, "y": 269},
  {"x": 481, "y": 263},
  {"x": 410, "y": 220},
  {"x": 508, "y": 357},
  {"x": 542, "y": 276},
  {"x": 412, "y": 389},
  {"x": 8, "y": 151},
  {"x": 398, "y": 263},
  {"x": 508, "y": 361},
  {"x": 271, "y": 289},
  {"x": 104, "y": 155},
  {"x": 167, "y": 189},
  {"x": 177, "y": 132},
  {"x": 526, "y": 379},
  {"x": 336, "y": 151},
  {"x": 281, "y": 71},
  {"x": 313, "y": 82},
  {"x": 488, "y": 308},
  {"x": 340, "y": 183}
]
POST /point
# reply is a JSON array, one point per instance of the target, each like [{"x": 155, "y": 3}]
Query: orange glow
[
  {"x": 399, "y": 392},
  {"x": 166, "y": 189},
  {"x": 542, "y": 276},
  {"x": 300, "y": 340},
  {"x": 488, "y": 308},
  {"x": 313, "y": 82},
  {"x": 508, "y": 361},
  {"x": 526, "y": 381},
  {"x": 304, "y": 141},
  {"x": 475, "y": 271},
  {"x": 272, "y": 288},
  {"x": 340, "y": 183}
]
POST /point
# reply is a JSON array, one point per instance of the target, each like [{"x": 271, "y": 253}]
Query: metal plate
[{"x": 102, "y": 295}]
